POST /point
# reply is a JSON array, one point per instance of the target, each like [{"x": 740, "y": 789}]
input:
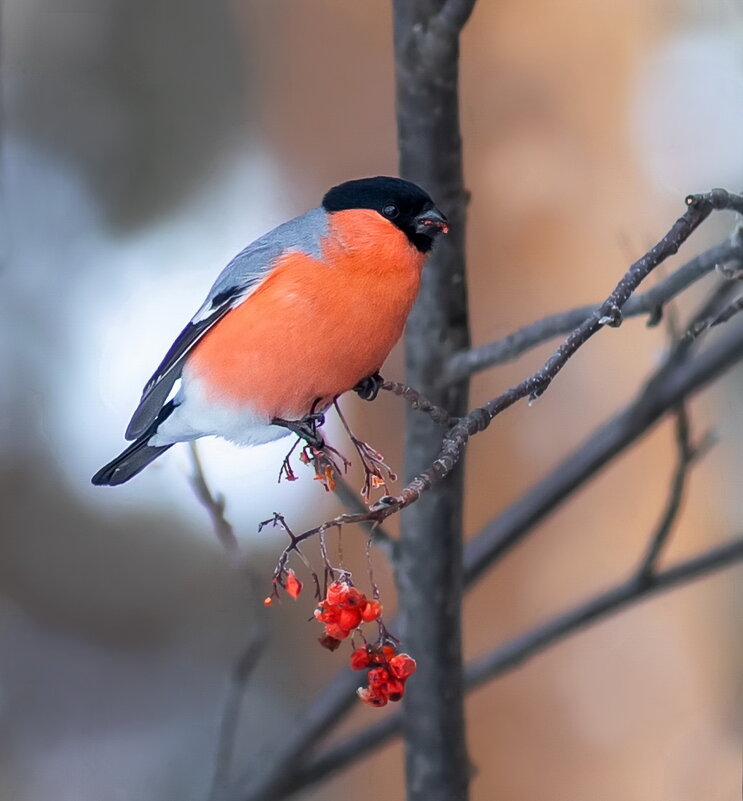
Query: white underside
[{"x": 196, "y": 416}]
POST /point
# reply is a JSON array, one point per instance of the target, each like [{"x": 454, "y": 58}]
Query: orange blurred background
[{"x": 146, "y": 143}]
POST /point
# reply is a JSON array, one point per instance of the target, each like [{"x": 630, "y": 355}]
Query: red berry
[
  {"x": 378, "y": 677},
  {"x": 336, "y": 631},
  {"x": 394, "y": 688},
  {"x": 349, "y": 619},
  {"x": 372, "y": 611},
  {"x": 360, "y": 659},
  {"x": 327, "y": 613},
  {"x": 371, "y": 697},
  {"x": 388, "y": 651},
  {"x": 402, "y": 666},
  {"x": 292, "y": 584},
  {"x": 329, "y": 642},
  {"x": 354, "y": 599},
  {"x": 337, "y": 592}
]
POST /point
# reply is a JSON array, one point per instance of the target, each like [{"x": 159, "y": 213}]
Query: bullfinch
[{"x": 305, "y": 313}]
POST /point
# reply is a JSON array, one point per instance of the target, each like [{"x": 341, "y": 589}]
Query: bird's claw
[
  {"x": 306, "y": 428},
  {"x": 369, "y": 387}
]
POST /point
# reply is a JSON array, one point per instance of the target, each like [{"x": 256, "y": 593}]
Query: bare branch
[
  {"x": 675, "y": 381},
  {"x": 722, "y": 316},
  {"x": 438, "y": 414},
  {"x": 687, "y": 454},
  {"x": 475, "y": 360},
  {"x": 699, "y": 207},
  {"x": 241, "y": 673},
  {"x": 251, "y": 654},
  {"x": 454, "y": 15},
  {"x": 214, "y": 504},
  {"x": 514, "y": 653},
  {"x": 379, "y": 537}
]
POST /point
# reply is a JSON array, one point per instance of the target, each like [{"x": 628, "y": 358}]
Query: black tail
[{"x": 135, "y": 458}]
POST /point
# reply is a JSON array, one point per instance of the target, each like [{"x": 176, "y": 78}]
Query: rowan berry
[
  {"x": 378, "y": 677},
  {"x": 349, "y": 619},
  {"x": 371, "y": 697},
  {"x": 337, "y": 592},
  {"x": 402, "y": 666},
  {"x": 394, "y": 688},
  {"x": 336, "y": 631},
  {"x": 354, "y": 598},
  {"x": 371, "y": 611},
  {"x": 292, "y": 584},
  {"x": 360, "y": 659}
]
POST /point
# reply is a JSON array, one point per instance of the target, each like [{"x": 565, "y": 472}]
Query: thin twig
[
  {"x": 475, "y": 360},
  {"x": 251, "y": 654},
  {"x": 439, "y": 415},
  {"x": 699, "y": 207},
  {"x": 514, "y": 653},
  {"x": 379, "y": 537},
  {"x": 733, "y": 308},
  {"x": 241, "y": 673},
  {"x": 214, "y": 505},
  {"x": 687, "y": 454},
  {"x": 672, "y": 383}
]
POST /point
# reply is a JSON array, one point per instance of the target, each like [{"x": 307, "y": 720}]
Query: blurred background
[{"x": 143, "y": 145}]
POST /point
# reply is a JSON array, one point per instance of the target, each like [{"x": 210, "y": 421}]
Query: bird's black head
[{"x": 403, "y": 203}]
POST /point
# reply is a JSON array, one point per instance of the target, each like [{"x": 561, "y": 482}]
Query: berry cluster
[
  {"x": 388, "y": 672},
  {"x": 342, "y": 611}
]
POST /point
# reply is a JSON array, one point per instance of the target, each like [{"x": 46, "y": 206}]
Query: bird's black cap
[{"x": 402, "y": 202}]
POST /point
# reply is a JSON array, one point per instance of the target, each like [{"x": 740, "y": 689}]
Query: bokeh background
[{"x": 144, "y": 143}]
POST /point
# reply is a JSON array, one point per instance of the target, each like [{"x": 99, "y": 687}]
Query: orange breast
[{"x": 314, "y": 328}]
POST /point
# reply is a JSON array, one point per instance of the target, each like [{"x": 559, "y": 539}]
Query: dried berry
[
  {"x": 331, "y": 643},
  {"x": 292, "y": 584}
]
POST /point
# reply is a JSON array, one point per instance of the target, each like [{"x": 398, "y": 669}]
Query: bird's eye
[{"x": 390, "y": 211}]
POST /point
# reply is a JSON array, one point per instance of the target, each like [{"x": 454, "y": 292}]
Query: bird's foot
[
  {"x": 306, "y": 428},
  {"x": 369, "y": 387}
]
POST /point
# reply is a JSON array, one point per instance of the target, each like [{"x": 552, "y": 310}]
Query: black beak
[{"x": 431, "y": 222}]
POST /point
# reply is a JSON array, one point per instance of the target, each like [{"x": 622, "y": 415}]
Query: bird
[{"x": 305, "y": 313}]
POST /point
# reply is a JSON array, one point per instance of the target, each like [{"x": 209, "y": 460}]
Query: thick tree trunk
[{"x": 430, "y": 558}]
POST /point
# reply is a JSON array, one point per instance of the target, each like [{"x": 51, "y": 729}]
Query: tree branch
[
  {"x": 255, "y": 647},
  {"x": 469, "y": 362},
  {"x": 672, "y": 383},
  {"x": 453, "y": 15},
  {"x": 214, "y": 505},
  {"x": 687, "y": 454},
  {"x": 379, "y": 537},
  {"x": 675, "y": 381},
  {"x": 699, "y": 207},
  {"x": 514, "y": 653},
  {"x": 228, "y": 727}
]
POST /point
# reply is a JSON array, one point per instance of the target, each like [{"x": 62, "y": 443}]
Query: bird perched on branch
[{"x": 302, "y": 315}]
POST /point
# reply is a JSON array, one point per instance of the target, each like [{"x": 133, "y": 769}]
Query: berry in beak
[{"x": 431, "y": 222}]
